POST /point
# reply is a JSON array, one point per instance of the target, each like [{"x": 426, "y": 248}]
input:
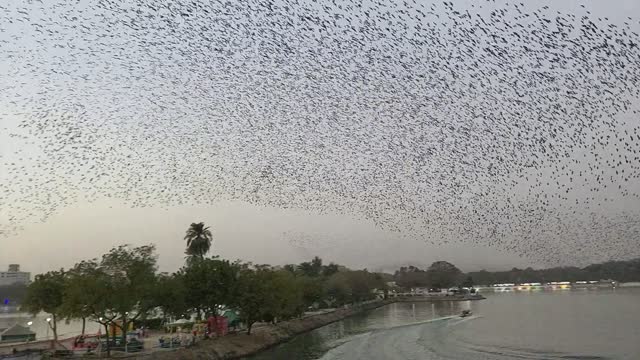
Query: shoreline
[
  {"x": 262, "y": 338},
  {"x": 437, "y": 298},
  {"x": 238, "y": 346}
]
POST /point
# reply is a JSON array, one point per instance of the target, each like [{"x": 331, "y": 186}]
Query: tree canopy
[
  {"x": 440, "y": 274},
  {"x": 443, "y": 274},
  {"x": 46, "y": 293},
  {"x": 124, "y": 286}
]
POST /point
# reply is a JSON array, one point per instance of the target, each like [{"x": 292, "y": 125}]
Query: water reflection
[
  {"x": 314, "y": 344},
  {"x": 597, "y": 324}
]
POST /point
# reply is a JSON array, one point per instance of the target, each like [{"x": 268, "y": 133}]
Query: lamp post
[
  {"x": 124, "y": 330},
  {"x": 100, "y": 337},
  {"x": 48, "y": 326},
  {"x": 29, "y": 324}
]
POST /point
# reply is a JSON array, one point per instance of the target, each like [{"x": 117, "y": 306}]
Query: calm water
[{"x": 600, "y": 324}]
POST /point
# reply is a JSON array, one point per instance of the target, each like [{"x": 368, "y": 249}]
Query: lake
[{"x": 589, "y": 324}]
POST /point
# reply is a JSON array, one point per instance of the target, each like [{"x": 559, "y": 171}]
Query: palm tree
[{"x": 198, "y": 240}]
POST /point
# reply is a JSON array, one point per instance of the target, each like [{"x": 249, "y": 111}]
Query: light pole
[
  {"x": 124, "y": 329},
  {"x": 100, "y": 336},
  {"x": 29, "y": 324},
  {"x": 48, "y": 326}
]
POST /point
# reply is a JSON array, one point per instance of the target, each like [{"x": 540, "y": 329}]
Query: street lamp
[{"x": 49, "y": 325}]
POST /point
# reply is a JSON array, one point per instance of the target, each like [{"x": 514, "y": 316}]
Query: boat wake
[{"x": 433, "y": 339}]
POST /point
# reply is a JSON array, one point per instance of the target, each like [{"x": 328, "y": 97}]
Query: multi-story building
[{"x": 14, "y": 275}]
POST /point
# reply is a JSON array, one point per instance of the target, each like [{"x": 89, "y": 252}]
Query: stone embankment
[{"x": 236, "y": 346}]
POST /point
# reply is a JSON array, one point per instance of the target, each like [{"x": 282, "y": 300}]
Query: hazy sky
[
  {"x": 260, "y": 233},
  {"x": 240, "y": 231}
]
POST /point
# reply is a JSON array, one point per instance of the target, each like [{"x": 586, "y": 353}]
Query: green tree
[
  {"x": 283, "y": 297},
  {"x": 337, "y": 289},
  {"x": 250, "y": 291},
  {"x": 411, "y": 277},
  {"x": 129, "y": 274},
  {"x": 468, "y": 282},
  {"x": 442, "y": 274},
  {"x": 209, "y": 283},
  {"x": 362, "y": 284},
  {"x": 199, "y": 240},
  {"x": 312, "y": 290},
  {"x": 79, "y": 295},
  {"x": 88, "y": 293},
  {"x": 312, "y": 268},
  {"x": 171, "y": 295},
  {"x": 330, "y": 269},
  {"x": 46, "y": 294}
]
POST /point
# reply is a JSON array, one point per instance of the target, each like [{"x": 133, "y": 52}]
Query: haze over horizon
[{"x": 233, "y": 239}]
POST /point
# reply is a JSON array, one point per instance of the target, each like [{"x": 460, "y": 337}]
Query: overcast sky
[{"x": 262, "y": 234}]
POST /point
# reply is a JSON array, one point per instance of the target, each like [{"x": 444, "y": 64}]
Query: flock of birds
[{"x": 496, "y": 124}]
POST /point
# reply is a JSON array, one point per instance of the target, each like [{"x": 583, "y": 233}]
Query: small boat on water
[{"x": 465, "y": 313}]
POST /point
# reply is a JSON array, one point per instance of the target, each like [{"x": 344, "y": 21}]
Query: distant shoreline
[{"x": 427, "y": 298}]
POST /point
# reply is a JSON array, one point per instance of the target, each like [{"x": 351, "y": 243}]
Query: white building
[{"x": 14, "y": 275}]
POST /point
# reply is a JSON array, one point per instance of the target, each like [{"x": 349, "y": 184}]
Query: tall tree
[
  {"x": 328, "y": 270},
  {"x": 337, "y": 289},
  {"x": 89, "y": 293},
  {"x": 79, "y": 292},
  {"x": 312, "y": 268},
  {"x": 131, "y": 276},
  {"x": 468, "y": 282},
  {"x": 442, "y": 274},
  {"x": 46, "y": 294},
  {"x": 171, "y": 295},
  {"x": 198, "y": 239},
  {"x": 283, "y": 296},
  {"x": 411, "y": 277},
  {"x": 312, "y": 290},
  {"x": 290, "y": 268},
  {"x": 209, "y": 283},
  {"x": 250, "y": 291}
]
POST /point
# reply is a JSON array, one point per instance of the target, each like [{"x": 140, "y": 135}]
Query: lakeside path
[
  {"x": 237, "y": 346},
  {"x": 232, "y": 346}
]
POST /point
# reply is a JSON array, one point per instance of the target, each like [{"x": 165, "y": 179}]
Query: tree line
[
  {"x": 622, "y": 271},
  {"x": 442, "y": 274},
  {"x": 124, "y": 286}
]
